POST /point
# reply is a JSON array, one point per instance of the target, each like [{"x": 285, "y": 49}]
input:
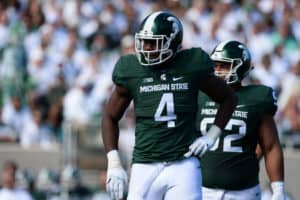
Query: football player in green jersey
[
  {"x": 230, "y": 168},
  {"x": 163, "y": 81}
]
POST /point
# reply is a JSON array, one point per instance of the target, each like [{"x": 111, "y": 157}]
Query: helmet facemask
[
  {"x": 160, "y": 53},
  {"x": 231, "y": 75}
]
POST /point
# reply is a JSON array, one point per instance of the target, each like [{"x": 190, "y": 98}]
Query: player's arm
[
  {"x": 272, "y": 152},
  {"x": 221, "y": 93},
  {"x": 258, "y": 152},
  {"x": 116, "y": 181},
  {"x": 113, "y": 111}
]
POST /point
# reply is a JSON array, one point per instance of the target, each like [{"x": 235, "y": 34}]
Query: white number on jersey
[
  {"x": 166, "y": 101},
  {"x": 228, "y": 139}
]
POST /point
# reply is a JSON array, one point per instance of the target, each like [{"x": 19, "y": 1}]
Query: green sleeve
[
  {"x": 270, "y": 102},
  {"x": 117, "y": 75},
  {"x": 206, "y": 64}
]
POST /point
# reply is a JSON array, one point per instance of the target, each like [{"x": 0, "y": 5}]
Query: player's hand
[
  {"x": 278, "y": 190},
  {"x": 116, "y": 183},
  {"x": 200, "y": 146},
  {"x": 204, "y": 143},
  {"x": 116, "y": 178}
]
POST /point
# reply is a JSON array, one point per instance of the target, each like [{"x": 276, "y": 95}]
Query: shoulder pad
[
  {"x": 194, "y": 59},
  {"x": 263, "y": 96}
]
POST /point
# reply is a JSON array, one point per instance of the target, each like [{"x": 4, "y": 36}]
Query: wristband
[
  {"x": 113, "y": 159},
  {"x": 277, "y": 186},
  {"x": 214, "y": 132}
]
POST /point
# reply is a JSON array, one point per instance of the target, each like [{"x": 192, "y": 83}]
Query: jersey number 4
[
  {"x": 166, "y": 103},
  {"x": 228, "y": 139}
]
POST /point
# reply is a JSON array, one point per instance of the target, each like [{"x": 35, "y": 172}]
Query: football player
[
  {"x": 230, "y": 168},
  {"x": 163, "y": 81}
]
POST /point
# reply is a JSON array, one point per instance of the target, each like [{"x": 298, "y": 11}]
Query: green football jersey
[
  {"x": 165, "y": 102},
  {"x": 231, "y": 163}
]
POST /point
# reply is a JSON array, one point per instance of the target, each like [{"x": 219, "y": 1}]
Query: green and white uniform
[
  {"x": 165, "y": 102},
  {"x": 231, "y": 164}
]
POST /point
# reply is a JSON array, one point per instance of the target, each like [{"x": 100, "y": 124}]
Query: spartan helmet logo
[
  {"x": 245, "y": 52},
  {"x": 175, "y": 29}
]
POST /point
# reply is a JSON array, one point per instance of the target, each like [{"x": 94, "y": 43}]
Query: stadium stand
[{"x": 56, "y": 60}]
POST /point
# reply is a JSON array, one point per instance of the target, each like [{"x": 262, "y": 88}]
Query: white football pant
[
  {"x": 166, "y": 181},
  {"x": 253, "y": 193}
]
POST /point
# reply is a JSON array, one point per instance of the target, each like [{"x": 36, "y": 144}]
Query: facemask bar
[
  {"x": 161, "y": 49},
  {"x": 230, "y": 76}
]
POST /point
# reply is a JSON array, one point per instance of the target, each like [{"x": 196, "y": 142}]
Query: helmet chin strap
[
  {"x": 160, "y": 58},
  {"x": 150, "y": 60}
]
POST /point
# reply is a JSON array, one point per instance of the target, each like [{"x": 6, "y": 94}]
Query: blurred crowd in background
[
  {"x": 47, "y": 184},
  {"x": 56, "y": 57}
]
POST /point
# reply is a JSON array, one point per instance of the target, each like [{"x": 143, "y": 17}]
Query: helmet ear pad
[{"x": 165, "y": 30}]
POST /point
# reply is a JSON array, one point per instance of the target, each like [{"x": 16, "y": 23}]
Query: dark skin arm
[
  {"x": 258, "y": 152},
  {"x": 271, "y": 148},
  {"x": 221, "y": 93},
  {"x": 113, "y": 112}
]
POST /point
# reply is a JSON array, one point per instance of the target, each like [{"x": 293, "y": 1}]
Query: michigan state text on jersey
[
  {"x": 230, "y": 169},
  {"x": 232, "y": 163},
  {"x": 165, "y": 103}
]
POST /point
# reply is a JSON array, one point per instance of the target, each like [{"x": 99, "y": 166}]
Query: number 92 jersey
[
  {"x": 231, "y": 163},
  {"x": 165, "y": 102}
]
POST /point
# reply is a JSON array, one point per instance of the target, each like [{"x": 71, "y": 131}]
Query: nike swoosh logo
[
  {"x": 240, "y": 106},
  {"x": 177, "y": 78}
]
